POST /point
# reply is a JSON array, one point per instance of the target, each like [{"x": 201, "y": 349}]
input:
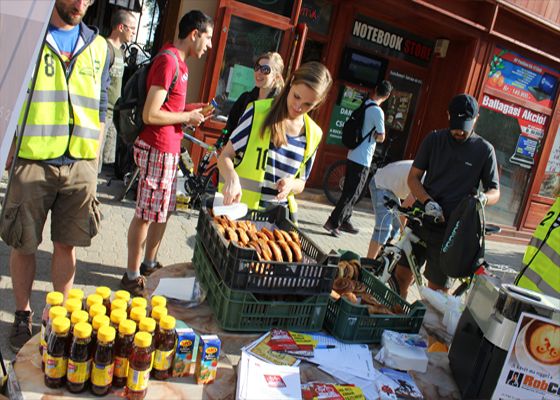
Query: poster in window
[
  {"x": 522, "y": 78},
  {"x": 551, "y": 180},
  {"x": 348, "y": 100}
]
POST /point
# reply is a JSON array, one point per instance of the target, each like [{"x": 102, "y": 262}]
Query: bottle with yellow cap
[
  {"x": 139, "y": 362},
  {"x": 92, "y": 299},
  {"x": 158, "y": 301},
  {"x": 77, "y": 317},
  {"x": 97, "y": 323},
  {"x": 57, "y": 361},
  {"x": 95, "y": 310},
  {"x": 105, "y": 294},
  {"x": 79, "y": 358},
  {"x": 72, "y": 305},
  {"x": 166, "y": 343},
  {"x": 138, "y": 302},
  {"x": 116, "y": 317},
  {"x": 137, "y": 313},
  {"x": 54, "y": 312},
  {"x": 103, "y": 361},
  {"x": 119, "y": 304},
  {"x": 157, "y": 313},
  {"x": 53, "y": 299},
  {"x": 148, "y": 325},
  {"x": 77, "y": 294},
  {"x": 123, "y": 347},
  {"x": 122, "y": 295}
]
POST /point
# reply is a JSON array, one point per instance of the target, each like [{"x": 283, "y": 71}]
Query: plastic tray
[
  {"x": 238, "y": 310},
  {"x": 352, "y": 323},
  {"x": 312, "y": 276}
]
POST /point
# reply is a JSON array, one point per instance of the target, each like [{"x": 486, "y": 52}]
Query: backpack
[
  {"x": 462, "y": 250},
  {"x": 127, "y": 115},
  {"x": 352, "y": 129}
]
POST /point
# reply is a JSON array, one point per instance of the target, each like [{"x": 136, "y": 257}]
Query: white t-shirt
[{"x": 394, "y": 177}]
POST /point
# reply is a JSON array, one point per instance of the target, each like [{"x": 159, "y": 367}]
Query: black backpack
[
  {"x": 127, "y": 115},
  {"x": 352, "y": 129},
  {"x": 462, "y": 250}
]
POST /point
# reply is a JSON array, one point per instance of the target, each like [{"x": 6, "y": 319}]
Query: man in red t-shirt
[{"x": 156, "y": 151}]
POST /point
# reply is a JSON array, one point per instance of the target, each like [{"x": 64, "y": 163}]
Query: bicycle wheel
[{"x": 333, "y": 181}]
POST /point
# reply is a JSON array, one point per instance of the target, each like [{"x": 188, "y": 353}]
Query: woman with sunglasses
[
  {"x": 268, "y": 83},
  {"x": 270, "y": 154}
]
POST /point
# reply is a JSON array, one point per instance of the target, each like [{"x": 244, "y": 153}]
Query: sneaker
[
  {"x": 333, "y": 230},
  {"x": 348, "y": 227},
  {"x": 147, "y": 271},
  {"x": 21, "y": 330},
  {"x": 134, "y": 286}
]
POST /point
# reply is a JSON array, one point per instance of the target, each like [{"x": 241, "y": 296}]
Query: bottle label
[
  {"x": 78, "y": 372},
  {"x": 121, "y": 367},
  {"x": 163, "y": 359},
  {"x": 55, "y": 367},
  {"x": 102, "y": 375},
  {"x": 137, "y": 380}
]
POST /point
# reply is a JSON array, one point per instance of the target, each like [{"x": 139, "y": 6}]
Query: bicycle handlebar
[
  {"x": 199, "y": 142},
  {"x": 414, "y": 213}
]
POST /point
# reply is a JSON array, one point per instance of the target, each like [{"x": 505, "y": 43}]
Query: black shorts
[{"x": 432, "y": 236}]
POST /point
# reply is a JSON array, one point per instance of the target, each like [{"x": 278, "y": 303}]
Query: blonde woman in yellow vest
[
  {"x": 55, "y": 167},
  {"x": 541, "y": 271},
  {"x": 270, "y": 154}
]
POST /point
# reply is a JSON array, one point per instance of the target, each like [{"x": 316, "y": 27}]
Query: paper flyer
[{"x": 532, "y": 366}]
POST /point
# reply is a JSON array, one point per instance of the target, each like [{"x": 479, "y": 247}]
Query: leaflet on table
[
  {"x": 397, "y": 385},
  {"x": 294, "y": 343},
  {"x": 330, "y": 391},
  {"x": 260, "y": 349},
  {"x": 368, "y": 386}
]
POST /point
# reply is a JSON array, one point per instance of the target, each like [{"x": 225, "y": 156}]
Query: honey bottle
[
  {"x": 122, "y": 295},
  {"x": 103, "y": 361},
  {"x": 76, "y": 318},
  {"x": 54, "y": 312},
  {"x": 57, "y": 360},
  {"x": 76, "y": 294},
  {"x": 72, "y": 305},
  {"x": 138, "y": 302},
  {"x": 123, "y": 347},
  {"x": 53, "y": 299},
  {"x": 157, "y": 313},
  {"x": 96, "y": 309},
  {"x": 119, "y": 304},
  {"x": 166, "y": 343},
  {"x": 148, "y": 325},
  {"x": 92, "y": 299},
  {"x": 105, "y": 294},
  {"x": 97, "y": 323},
  {"x": 117, "y": 316},
  {"x": 137, "y": 314},
  {"x": 157, "y": 301},
  {"x": 139, "y": 362},
  {"x": 79, "y": 358}
]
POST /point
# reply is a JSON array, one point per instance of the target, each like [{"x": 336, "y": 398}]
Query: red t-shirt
[{"x": 167, "y": 138}]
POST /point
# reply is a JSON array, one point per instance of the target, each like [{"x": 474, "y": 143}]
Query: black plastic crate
[{"x": 313, "y": 275}]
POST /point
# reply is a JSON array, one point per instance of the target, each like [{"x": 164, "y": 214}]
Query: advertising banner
[
  {"x": 532, "y": 366},
  {"x": 522, "y": 78},
  {"x": 348, "y": 100}
]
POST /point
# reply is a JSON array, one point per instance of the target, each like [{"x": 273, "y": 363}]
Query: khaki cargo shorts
[{"x": 68, "y": 191}]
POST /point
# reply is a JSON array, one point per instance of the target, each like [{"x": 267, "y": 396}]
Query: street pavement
[{"x": 103, "y": 263}]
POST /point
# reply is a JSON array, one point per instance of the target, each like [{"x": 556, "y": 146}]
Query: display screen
[{"x": 362, "y": 68}]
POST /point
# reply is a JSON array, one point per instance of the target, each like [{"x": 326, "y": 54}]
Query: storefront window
[
  {"x": 317, "y": 15},
  {"x": 551, "y": 181},
  {"x": 245, "y": 42},
  {"x": 313, "y": 51},
  {"x": 282, "y": 7}
]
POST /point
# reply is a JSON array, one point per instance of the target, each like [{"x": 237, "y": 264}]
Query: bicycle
[
  {"x": 385, "y": 263},
  {"x": 333, "y": 181}
]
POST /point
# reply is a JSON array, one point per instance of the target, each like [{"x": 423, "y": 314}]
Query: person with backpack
[
  {"x": 123, "y": 29},
  {"x": 455, "y": 161},
  {"x": 157, "y": 148},
  {"x": 361, "y": 143}
]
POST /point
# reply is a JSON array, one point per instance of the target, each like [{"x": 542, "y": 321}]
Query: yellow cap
[
  {"x": 139, "y": 302},
  {"x": 143, "y": 339},
  {"x": 103, "y": 291},
  {"x": 137, "y": 313},
  {"x": 158, "y": 312},
  {"x": 147, "y": 325},
  {"x": 61, "y": 325},
  {"x": 55, "y": 298},
  {"x": 79, "y": 316},
  {"x": 118, "y": 304},
  {"x": 94, "y": 299},
  {"x": 76, "y": 294},
  {"x": 167, "y": 322},
  {"x": 106, "y": 334},
  {"x": 117, "y": 316},
  {"x": 123, "y": 295},
  {"x": 127, "y": 327},
  {"x": 97, "y": 309},
  {"x": 57, "y": 311},
  {"x": 158, "y": 301},
  {"x": 99, "y": 321},
  {"x": 73, "y": 305},
  {"x": 82, "y": 330}
]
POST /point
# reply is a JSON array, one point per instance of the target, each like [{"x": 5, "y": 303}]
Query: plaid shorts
[{"x": 157, "y": 184}]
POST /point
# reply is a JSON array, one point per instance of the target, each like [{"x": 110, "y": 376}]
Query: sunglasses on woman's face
[{"x": 265, "y": 69}]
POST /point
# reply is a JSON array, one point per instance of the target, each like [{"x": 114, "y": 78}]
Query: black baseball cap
[{"x": 463, "y": 110}]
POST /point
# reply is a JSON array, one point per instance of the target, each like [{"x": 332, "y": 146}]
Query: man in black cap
[{"x": 455, "y": 161}]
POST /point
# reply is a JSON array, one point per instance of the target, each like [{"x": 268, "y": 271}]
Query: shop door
[{"x": 400, "y": 108}]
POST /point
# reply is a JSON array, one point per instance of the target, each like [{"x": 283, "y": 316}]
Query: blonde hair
[
  {"x": 276, "y": 65},
  {"x": 314, "y": 75}
]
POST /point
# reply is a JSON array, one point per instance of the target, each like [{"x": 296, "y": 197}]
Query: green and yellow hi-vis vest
[
  {"x": 64, "y": 111},
  {"x": 543, "y": 256},
  {"x": 251, "y": 169}
]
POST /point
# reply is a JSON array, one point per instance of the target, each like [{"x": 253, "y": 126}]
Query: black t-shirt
[{"x": 454, "y": 170}]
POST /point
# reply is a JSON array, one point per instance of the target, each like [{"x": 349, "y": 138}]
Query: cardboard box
[
  {"x": 207, "y": 359},
  {"x": 187, "y": 348}
]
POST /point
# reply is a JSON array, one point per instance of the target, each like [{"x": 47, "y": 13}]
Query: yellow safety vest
[
  {"x": 543, "y": 256},
  {"x": 64, "y": 111},
  {"x": 251, "y": 168}
]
